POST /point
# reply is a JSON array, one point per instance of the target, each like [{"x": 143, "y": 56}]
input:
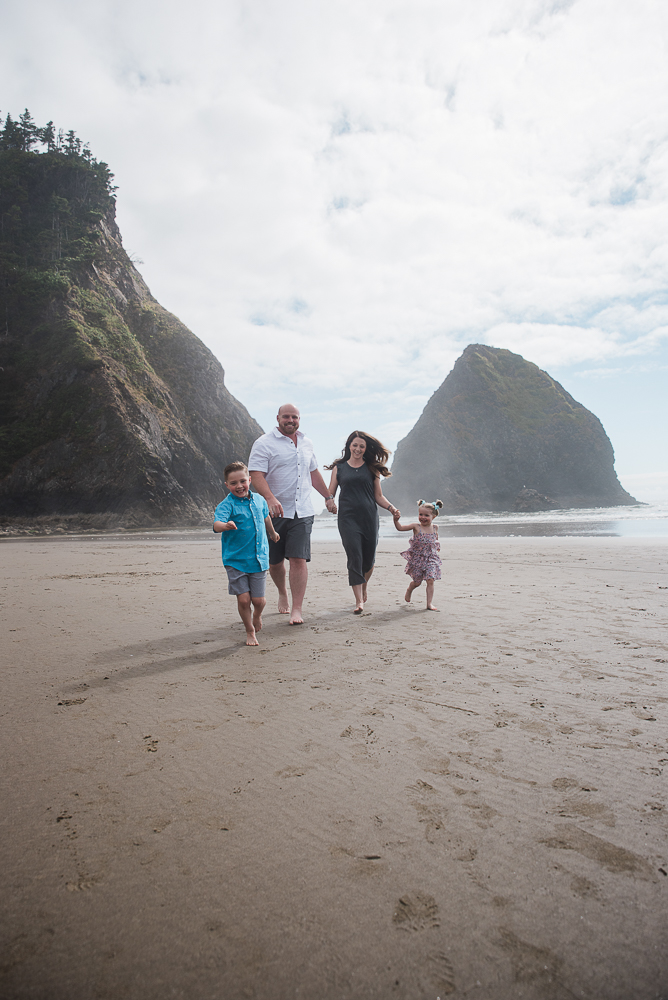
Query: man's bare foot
[
  {"x": 283, "y": 604},
  {"x": 251, "y": 640},
  {"x": 257, "y": 621},
  {"x": 408, "y": 594},
  {"x": 432, "y": 607},
  {"x": 296, "y": 618}
]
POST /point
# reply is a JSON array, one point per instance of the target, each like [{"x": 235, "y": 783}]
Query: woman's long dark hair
[{"x": 376, "y": 455}]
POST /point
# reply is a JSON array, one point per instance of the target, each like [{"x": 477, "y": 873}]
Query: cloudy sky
[{"x": 338, "y": 197}]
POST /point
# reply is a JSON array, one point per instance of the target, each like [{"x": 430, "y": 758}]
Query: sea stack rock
[
  {"x": 500, "y": 434},
  {"x": 112, "y": 412}
]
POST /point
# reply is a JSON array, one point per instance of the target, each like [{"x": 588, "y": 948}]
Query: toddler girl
[{"x": 422, "y": 559}]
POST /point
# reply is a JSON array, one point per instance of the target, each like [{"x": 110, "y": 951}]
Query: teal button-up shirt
[{"x": 247, "y": 548}]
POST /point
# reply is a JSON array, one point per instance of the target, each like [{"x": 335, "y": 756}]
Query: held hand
[
  {"x": 330, "y": 505},
  {"x": 397, "y": 514}
]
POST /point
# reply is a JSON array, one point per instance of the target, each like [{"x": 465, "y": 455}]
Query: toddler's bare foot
[
  {"x": 296, "y": 617},
  {"x": 257, "y": 621},
  {"x": 407, "y": 595},
  {"x": 432, "y": 607},
  {"x": 283, "y": 604},
  {"x": 250, "y": 639}
]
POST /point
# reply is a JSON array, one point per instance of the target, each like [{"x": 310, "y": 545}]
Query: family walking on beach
[{"x": 268, "y": 516}]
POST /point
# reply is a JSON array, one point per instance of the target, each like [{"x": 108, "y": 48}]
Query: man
[{"x": 283, "y": 468}]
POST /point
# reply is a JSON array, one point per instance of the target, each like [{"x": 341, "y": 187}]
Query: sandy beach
[{"x": 404, "y": 804}]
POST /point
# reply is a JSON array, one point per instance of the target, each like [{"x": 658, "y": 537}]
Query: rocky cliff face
[
  {"x": 499, "y": 425},
  {"x": 111, "y": 411}
]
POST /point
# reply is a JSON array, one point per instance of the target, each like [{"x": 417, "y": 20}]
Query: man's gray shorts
[
  {"x": 295, "y": 540},
  {"x": 246, "y": 583}
]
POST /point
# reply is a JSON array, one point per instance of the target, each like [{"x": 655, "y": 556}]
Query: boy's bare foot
[
  {"x": 257, "y": 621},
  {"x": 296, "y": 617},
  {"x": 251, "y": 640},
  {"x": 432, "y": 607},
  {"x": 283, "y": 604}
]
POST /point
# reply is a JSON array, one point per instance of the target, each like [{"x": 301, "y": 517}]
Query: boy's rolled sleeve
[{"x": 223, "y": 510}]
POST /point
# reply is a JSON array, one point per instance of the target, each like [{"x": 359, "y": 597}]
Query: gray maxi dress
[{"x": 358, "y": 519}]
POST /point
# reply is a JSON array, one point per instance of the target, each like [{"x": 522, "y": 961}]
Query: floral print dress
[{"x": 422, "y": 559}]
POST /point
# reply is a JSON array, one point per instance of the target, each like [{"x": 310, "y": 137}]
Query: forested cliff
[{"x": 111, "y": 411}]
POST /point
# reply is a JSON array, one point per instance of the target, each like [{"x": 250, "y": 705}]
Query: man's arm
[
  {"x": 318, "y": 484},
  {"x": 261, "y": 486}
]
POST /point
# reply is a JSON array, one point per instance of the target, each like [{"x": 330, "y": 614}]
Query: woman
[{"x": 357, "y": 474}]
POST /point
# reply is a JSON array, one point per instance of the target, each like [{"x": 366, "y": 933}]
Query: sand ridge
[{"x": 401, "y": 805}]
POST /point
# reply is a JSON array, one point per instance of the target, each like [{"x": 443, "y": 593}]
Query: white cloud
[{"x": 358, "y": 190}]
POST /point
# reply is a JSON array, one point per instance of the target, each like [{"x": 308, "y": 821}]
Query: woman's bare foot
[
  {"x": 432, "y": 607},
  {"x": 250, "y": 638},
  {"x": 359, "y": 609},
  {"x": 364, "y": 594}
]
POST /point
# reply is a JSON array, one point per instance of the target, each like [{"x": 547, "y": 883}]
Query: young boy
[{"x": 243, "y": 518}]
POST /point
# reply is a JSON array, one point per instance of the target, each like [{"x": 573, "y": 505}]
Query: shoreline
[{"x": 640, "y": 520}]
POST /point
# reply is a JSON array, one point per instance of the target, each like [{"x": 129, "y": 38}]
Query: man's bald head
[
  {"x": 288, "y": 419},
  {"x": 288, "y": 407}
]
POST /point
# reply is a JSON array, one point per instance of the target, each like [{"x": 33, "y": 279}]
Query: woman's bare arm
[
  {"x": 333, "y": 483},
  {"x": 383, "y": 501}
]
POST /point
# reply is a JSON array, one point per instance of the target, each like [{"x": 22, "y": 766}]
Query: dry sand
[{"x": 404, "y": 804}]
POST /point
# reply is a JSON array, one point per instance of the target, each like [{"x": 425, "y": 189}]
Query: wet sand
[{"x": 404, "y": 804}]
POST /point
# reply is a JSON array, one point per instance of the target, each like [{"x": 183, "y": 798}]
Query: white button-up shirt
[{"x": 287, "y": 469}]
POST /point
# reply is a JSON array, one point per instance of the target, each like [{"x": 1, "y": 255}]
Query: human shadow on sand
[{"x": 275, "y": 634}]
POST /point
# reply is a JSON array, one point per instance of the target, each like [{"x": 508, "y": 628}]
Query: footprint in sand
[
  {"x": 535, "y": 965},
  {"x": 438, "y": 974},
  {"x": 416, "y": 911},
  {"x": 429, "y": 810},
  {"x": 83, "y": 883}
]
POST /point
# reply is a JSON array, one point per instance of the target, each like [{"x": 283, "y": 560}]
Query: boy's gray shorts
[
  {"x": 295, "y": 540},
  {"x": 246, "y": 583}
]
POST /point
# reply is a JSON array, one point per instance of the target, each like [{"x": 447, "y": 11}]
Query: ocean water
[{"x": 646, "y": 521}]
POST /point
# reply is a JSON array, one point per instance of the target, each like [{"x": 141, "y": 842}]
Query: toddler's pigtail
[{"x": 434, "y": 504}]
